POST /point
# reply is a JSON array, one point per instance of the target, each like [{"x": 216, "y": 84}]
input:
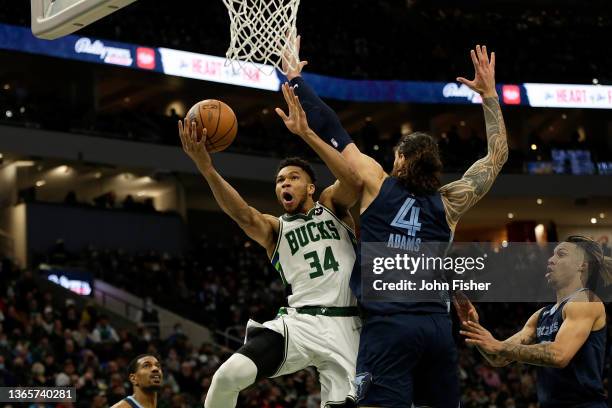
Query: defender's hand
[
  {"x": 464, "y": 307},
  {"x": 296, "y": 121},
  {"x": 479, "y": 336},
  {"x": 484, "y": 76},
  {"x": 194, "y": 149},
  {"x": 290, "y": 62}
]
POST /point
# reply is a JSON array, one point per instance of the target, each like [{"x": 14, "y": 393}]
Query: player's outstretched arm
[
  {"x": 325, "y": 123},
  {"x": 461, "y": 195},
  {"x": 579, "y": 320},
  {"x": 260, "y": 227},
  {"x": 346, "y": 191},
  {"x": 466, "y": 312}
]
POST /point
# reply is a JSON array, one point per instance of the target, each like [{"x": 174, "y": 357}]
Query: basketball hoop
[
  {"x": 262, "y": 31},
  {"x": 53, "y": 19}
]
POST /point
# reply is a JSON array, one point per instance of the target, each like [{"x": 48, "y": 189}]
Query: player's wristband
[{"x": 321, "y": 118}]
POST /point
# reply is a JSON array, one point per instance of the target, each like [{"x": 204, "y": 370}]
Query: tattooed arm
[
  {"x": 526, "y": 336},
  {"x": 467, "y": 312},
  {"x": 461, "y": 195},
  {"x": 580, "y": 318}
]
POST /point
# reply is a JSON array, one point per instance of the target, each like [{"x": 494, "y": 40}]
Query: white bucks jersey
[{"x": 315, "y": 256}]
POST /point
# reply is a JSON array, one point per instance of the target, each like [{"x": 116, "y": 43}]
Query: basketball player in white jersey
[{"x": 312, "y": 246}]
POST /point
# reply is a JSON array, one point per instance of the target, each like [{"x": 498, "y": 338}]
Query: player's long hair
[
  {"x": 421, "y": 170},
  {"x": 600, "y": 266}
]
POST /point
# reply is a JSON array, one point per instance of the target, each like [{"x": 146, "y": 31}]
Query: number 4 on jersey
[
  {"x": 411, "y": 225},
  {"x": 329, "y": 262}
]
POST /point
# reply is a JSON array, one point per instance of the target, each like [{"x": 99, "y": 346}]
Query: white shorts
[{"x": 328, "y": 343}]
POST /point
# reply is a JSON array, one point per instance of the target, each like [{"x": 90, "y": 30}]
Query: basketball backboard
[{"x": 52, "y": 19}]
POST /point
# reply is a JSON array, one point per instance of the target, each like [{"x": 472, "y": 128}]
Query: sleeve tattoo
[
  {"x": 499, "y": 359},
  {"x": 462, "y": 194},
  {"x": 542, "y": 354}
]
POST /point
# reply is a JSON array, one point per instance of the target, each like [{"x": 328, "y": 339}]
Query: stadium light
[{"x": 24, "y": 163}]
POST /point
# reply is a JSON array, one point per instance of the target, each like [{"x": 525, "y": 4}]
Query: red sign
[
  {"x": 145, "y": 58},
  {"x": 511, "y": 94}
]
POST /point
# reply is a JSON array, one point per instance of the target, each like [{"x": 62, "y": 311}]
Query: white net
[{"x": 262, "y": 31}]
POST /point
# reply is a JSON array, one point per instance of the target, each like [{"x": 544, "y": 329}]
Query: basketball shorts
[
  {"x": 407, "y": 359},
  {"x": 328, "y": 343}
]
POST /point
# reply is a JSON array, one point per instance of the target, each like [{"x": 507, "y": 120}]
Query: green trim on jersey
[
  {"x": 305, "y": 217},
  {"x": 275, "y": 259},
  {"x": 278, "y": 241},
  {"x": 279, "y": 268},
  {"x": 286, "y": 336}
]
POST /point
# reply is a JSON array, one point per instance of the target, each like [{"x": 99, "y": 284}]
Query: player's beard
[{"x": 299, "y": 208}]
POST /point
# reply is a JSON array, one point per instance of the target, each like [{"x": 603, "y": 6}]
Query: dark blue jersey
[
  {"x": 580, "y": 383},
  {"x": 403, "y": 221}
]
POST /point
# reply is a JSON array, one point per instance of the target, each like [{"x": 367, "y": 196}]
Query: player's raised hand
[
  {"x": 195, "y": 149},
  {"x": 484, "y": 76},
  {"x": 290, "y": 57},
  {"x": 479, "y": 336},
  {"x": 296, "y": 120},
  {"x": 464, "y": 307}
]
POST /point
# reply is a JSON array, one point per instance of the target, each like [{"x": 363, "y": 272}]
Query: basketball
[{"x": 218, "y": 119}]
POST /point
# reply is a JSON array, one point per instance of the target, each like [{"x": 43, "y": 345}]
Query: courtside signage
[
  {"x": 110, "y": 55},
  {"x": 209, "y": 68},
  {"x": 569, "y": 96},
  {"x": 454, "y": 90}
]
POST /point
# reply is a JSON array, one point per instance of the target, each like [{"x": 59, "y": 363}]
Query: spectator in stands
[
  {"x": 104, "y": 332},
  {"x": 148, "y": 316},
  {"x": 69, "y": 315},
  {"x": 99, "y": 400}
]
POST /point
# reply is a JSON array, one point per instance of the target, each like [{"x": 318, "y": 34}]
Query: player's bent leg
[
  {"x": 236, "y": 374},
  {"x": 260, "y": 357}
]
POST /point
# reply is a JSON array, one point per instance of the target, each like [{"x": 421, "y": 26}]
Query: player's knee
[{"x": 236, "y": 374}]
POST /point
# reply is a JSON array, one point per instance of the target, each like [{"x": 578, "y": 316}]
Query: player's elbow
[
  {"x": 356, "y": 182},
  {"x": 562, "y": 361},
  {"x": 561, "y": 357},
  {"x": 497, "y": 153},
  {"x": 504, "y": 154}
]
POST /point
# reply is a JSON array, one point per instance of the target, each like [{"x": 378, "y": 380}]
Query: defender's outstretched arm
[
  {"x": 578, "y": 322},
  {"x": 325, "y": 123},
  {"x": 347, "y": 189},
  {"x": 461, "y": 195},
  {"x": 466, "y": 312}
]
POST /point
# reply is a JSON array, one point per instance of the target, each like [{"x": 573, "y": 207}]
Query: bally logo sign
[{"x": 145, "y": 58}]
